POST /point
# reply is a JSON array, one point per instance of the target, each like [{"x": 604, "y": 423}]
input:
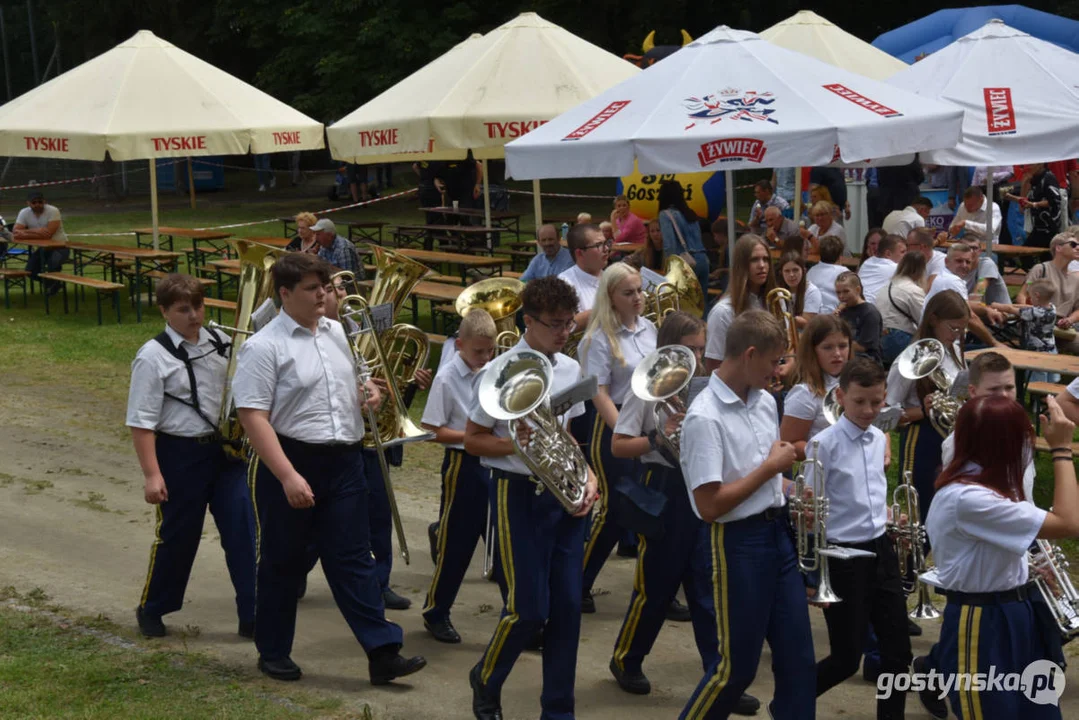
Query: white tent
[
  {"x": 730, "y": 100},
  {"x": 1018, "y": 94},
  {"x": 810, "y": 34},
  {"x": 480, "y": 95},
  {"x": 148, "y": 99}
]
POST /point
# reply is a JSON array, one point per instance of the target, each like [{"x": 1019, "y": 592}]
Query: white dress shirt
[
  {"x": 947, "y": 453},
  {"x": 975, "y": 221},
  {"x": 823, "y": 276},
  {"x": 586, "y": 286},
  {"x": 635, "y": 419},
  {"x": 901, "y": 222},
  {"x": 875, "y": 273},
  {"x": 724, "y": 439},
  {"x": 566, "y": 374},
  {"x": 598, "y": 360},
  {"x": 155, "y": 371},
  {"x": 452, "y": 393},
  {"x": 980, "y": 539},
  {"x": 802, "y": 403},
  {"x": 720, "y": 318},
  {"x": 855, "y": 485},
  {"x": 813, "y": 301},
  {"x": 945, "y": 280},
  {"x": 306, "y": 380}
]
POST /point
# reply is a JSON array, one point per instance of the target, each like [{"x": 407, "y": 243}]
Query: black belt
[
  {"x": 1019, "y": 594},
  {"x": 200, "y": 439},
  {"x": 769, "y": 515},
  {"x": 320, "y": 447}
]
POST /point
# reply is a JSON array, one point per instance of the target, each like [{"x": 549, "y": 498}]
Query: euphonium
[
  {"x": 780, "y": 303},
  {"x": 1049, "y": 571},
  {"x": 501, "y": 298},
  {"x": 925, "y": 358},
  {"x": 663, "y": 378},
  {"x": 516, "y": 387},
  {"x": 910, "y": 540}
]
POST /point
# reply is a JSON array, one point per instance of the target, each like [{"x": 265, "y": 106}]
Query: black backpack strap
[
  {"x": 180, "y": 354},
  {"x": 903, "y": 312}
]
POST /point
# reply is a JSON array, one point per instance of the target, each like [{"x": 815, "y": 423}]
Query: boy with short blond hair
[
  {"x": 1038, "y": 320},
  {"x": 465, "y": 483}
]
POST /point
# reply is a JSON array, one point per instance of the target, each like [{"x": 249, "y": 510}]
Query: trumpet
[
  {"x": 1049, "y": 570},
  {"x": 910, "y": 546},
  {"x": 925, "y": 359},
  {"x": 780, "y": 303},
  {"x": 663, "y": 378}
]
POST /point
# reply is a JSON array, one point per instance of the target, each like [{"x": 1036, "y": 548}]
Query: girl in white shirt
[
  {"x": 616, "y": 340},
  {"x": 822, "y": 354},
  {"x": 806, "y": 295},
  {"x": 981, "y": 530},
  {"x": 751, "y": 279}
]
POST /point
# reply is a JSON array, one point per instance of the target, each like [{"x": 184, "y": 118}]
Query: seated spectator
[
  {"x": 1037, "y": 321},
  {"x": 766, "y": 198},
  {"x": 984, "y": 280},
  {"x": 958, "y": 263},
  {"x": 915, "y": 215},
  {"x": 970, "y": 218},
  {"x": 1065, "y": 287},
  {"x": 651, "y": 255},
  {"x": 863, "y": 318},
  {"x": 608, "y": 230},
  {"x": 584, "y": 218},
  {"x": 869, "y": 244},
  {"x": 922, "y": 240},
  {"x": 805, "y": 295},
  {"x": 628, "y": 228},
  {"x": 39, "y": 221},
  {"x": 823, "y": 274},
  {"x": 304, "y": 241},
  {"x": 876, "y": 272},
  {"x": 824, "y": 224},
  {"x": 778, "y": 229},
  {"x": 337, "y": 250},
  {"x": 551, "y": 259},
  {"x": 900, "y": 305}
]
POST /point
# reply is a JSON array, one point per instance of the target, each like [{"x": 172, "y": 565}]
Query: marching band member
[
  {"x": 541, "y": 546},
  {"x": 852, "y": 457},
  {"x": 616, "y": 341},
  {"x": 732, "y": 460},
  {"x": 823, "y": 352},
  {"x": 297, "y": 395},
  {"x": 750, "y": 280},
  {"x": 466, "y": 484},
  {"x": 981, "y": 529},
  {"x": 177, "y": 384}
]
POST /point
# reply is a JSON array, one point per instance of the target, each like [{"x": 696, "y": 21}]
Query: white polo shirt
[
  {"x": 823, "y": 276},
  {"x": 945, "y": 280},
  {"x": 636, "y": 419},
  {"x": 947, "y": 452},
  {"x": 566, "y": 373},
  {"x": 901, "y": 222},
  {"x": 875, "y": 273},
  {"x": 306, "y": 380},
  {"x": 802, "y": 403},
  {"x": 724, "y": 439},
  {"x": 452, "y": 393},
  {"x": 598, "y": 360},
  {"x": 586, "y": 286},
  {"x": 980, "y": 539},
  {"x": 856, "y": 488},
  {"x": 720, "y": 318},
  {"x": 155, "y": 371}
]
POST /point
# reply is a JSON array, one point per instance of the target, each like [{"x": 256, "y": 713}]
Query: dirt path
[{"x": 73, "y": 523}]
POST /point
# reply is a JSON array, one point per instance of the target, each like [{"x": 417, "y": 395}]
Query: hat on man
[{"x": 324, "y": 225}]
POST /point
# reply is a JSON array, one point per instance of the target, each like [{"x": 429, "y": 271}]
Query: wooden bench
[
  {"x": 438, "y": 340},
  {"x": 219, "y": 305},
  {"x": 99, "y": 286},
  {"x": 1045, "y": 388},
  {"x": 14, "y": 278},
  {"x": 451, "y": 279}
]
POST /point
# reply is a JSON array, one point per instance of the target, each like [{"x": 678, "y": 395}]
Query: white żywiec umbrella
[
  {"x": 480, "y": 95},
  {"x": 810, "y": 34},
  {"x": 148, "y": 99},
  {"x": 1019, "y": 97},
  {"x": 728, "y": 101}
]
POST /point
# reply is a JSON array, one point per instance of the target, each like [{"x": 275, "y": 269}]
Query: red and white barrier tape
[
  {"x": 88, "y": 178},
  {"x": 317, "y": 212}
]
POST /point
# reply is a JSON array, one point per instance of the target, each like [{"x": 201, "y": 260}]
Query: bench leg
[
  {"x": 7, "y": 293},
  {"x": 74, "y": 292},
  {"x": 116, "y": 304},
  {"x": 98, "y": 296}
]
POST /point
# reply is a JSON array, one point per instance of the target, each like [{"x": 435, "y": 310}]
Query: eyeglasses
[
  {"x": 956, "y": 329},
  {"x": 605, "y": 244},
  {"x": 568, "y": 326}
]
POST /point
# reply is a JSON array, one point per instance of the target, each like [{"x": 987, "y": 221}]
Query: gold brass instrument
[
  {"x": 1049, "y": 571},
  {"x": 516, "y": 386},
  {"x": 661, "y": 302},
  {"x": 662, "y": 378},
  {"x": 925, "y": 358},
  {"x": 910, "y": 538},
  {"x": 501, "y": 298},
  {"x": 686, "y": 285},
  {"x": 395, "y": 277},
  {"x": 780, "y": 303}
]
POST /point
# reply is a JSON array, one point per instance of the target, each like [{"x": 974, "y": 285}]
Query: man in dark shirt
[{"x": 863, "y": 318}]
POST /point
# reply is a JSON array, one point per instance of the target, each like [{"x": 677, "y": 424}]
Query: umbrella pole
[
  {"x": 190, "y": 183},
  {"x": 153, "y": 199},
  {"x": 797, "y": 195},
  {"x": 730, "y": 208},
  {"x": 486, "y": 202},
  {"x": 537, "y": 204}
]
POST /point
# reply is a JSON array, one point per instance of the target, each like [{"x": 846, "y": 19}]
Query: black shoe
[
  {"x": 632, "y": 682},
  {"x": 443, "y": 631},
  {"x": 870, "y": 669},
  {"x": 677, "y": 612},
  {"x": 748, "y": 705},
  {"x": 149, "y": 626},
  {"x": 283, "y": 669},
  {"x": 432, "y": 537},
  {"x": 393, "y": 601},
  {"x": 535, "y": 643},
  {"x": 484, "y": 705},
  {"x": 389, "y": 667},
  {"x": 246, "y": 629},
  {"x": 933, "y": 704},
  {"x": 588, "y": 604},
  {"x": 302, "y": 589},
  {"x": 913, "y": 628},
  {"x": 626, "y": 551}
]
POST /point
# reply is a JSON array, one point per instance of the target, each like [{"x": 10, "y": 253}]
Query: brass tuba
[
  {"x": 1049, "y": 571},
  {"x": 925, "y": 358},
  {"x": 663, "y": 378},
  {"x": 501, "y": 298},
  {"x": 516, "y": 386},
  {"x": 780, "y": 303}
]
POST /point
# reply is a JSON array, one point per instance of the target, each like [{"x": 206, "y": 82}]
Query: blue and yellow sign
[{"x": 705, "y": 193}]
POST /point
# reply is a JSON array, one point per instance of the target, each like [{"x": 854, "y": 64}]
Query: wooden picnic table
[
  {"x": 433, "y": 291},
  {"x": 509, "y": 221},
  {"x": 427, "y": 234},
  {"x": 463, "y": 261},
  {"x": 269, "y": 240},
  {"x": 1027, "y": 361},
  {"x": 213, "y": 238},
  {"x": 366, "y": 230},
  {"x": 814, "y": 258},
  {"x": 146, "y": 260}
]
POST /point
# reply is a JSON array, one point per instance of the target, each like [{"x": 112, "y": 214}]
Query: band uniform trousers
[
  {"x": 919, "y": 450},
  {"x": 872, "y": 593},
  {"x": 379, "y": 515},
  {"x": 466, "y": 487},
  {"x": 1002, "y": 635},
  {"x": 605, "y": 532},
  {"x": 542, "y": 549},
  {"x": 197, "y": 474},
  {"x": 758, "y": 595},
  {"x": 337, "y": 526},
  {"x": 682, "y": 555}
]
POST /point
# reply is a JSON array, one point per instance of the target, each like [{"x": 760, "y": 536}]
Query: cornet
[{"x": 910, "y": 541}]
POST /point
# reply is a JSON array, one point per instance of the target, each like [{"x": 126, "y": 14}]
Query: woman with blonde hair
[
  {"x": 823, "y": 215},
  {"x": 616, "y": 340},
  {"x": 751, "y": 279},
  {"x": 628, "y": 228},
  {"x": 305, "y": 238}
]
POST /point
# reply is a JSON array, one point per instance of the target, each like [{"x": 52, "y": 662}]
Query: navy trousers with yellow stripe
[
  {"x": 1003, "y": 636},
  {"x": 919, "y": 450},
  {"x": 466, "y": 487},
  {"x": 540, "y": 549},
  {"x": 682, "y": 555},
  {"x": 604, "y": 533},
  {"x": 198, "y": 475},
  {"x": 759, "y": 595}
]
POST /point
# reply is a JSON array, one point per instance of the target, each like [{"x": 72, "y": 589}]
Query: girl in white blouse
[
  {"x": 616, "y": 340},
  {"x": 823, "y": 352},
  {"x": 806, "y": 295},
  {"x": 751, "y": 279}
]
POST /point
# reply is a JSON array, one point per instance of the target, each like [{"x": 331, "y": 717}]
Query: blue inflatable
[{"x": 915, "y": 40}]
